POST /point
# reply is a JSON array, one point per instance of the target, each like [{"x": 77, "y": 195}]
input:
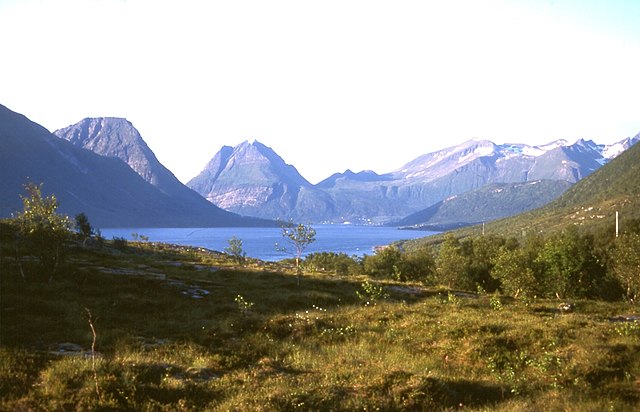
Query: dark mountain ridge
[
  {"x": 105, "y": 188},
  {"x": 118, "y": 138}
]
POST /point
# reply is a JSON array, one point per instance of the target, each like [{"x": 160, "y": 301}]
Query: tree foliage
[
  {"x": 514, "y": 271},
  {"x": 42, "y": 232},
  {"x": 390, "y": 262},
  {"x": 83, "y": 227},
  {"x": 236, "y": 250},
  {"x": 339, "y": 263},
  {"x": 386, "y": 263},
  {"x": 451, "y": 264},
  {"x": 570, "y": 266},
  {"x": 626, "y": 264},
  {"x": 298, "y": 237}
]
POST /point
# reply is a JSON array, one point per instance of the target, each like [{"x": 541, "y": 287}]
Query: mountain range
[
  {"x": 252, "y": 179},
  {"x": 103, "y": 167},
  {"x": 104, "y": 187},
  {"x": 591, "y": 204}
]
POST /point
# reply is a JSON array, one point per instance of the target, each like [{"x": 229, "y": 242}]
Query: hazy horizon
[{"x": 360, "y": 85}]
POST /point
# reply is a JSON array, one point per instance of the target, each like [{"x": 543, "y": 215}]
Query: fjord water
[{"x": 260, "y": 242}]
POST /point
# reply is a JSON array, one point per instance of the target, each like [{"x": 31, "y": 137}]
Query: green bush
[
  {"x": 120, "y": 243},
  {"x": 338, "y": 263},
  {"x": 42, "y": 233}
]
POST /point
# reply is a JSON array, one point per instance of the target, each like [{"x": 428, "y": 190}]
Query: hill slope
[
  {"x": 591, "y": 203},
  {"x": 491, "y": 202}
]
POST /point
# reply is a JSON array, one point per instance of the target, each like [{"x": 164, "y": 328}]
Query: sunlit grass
[{"x": 311, "y": 347}]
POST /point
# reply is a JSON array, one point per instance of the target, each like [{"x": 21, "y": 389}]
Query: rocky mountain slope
[
  {"x": 105, "y": 188},
  {"x": 251, "y": 179},
  {"x": 117, "y": 137},
  {"x": 234, "y": 181}
]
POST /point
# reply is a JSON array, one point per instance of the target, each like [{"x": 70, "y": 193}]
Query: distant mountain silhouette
[
  {"x": 105, "y": 188},
  {"x": 253, "y": 180},
  {"x": 117, "y": 137}
]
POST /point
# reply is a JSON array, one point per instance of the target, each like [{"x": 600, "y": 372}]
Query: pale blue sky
[{"x": 329, "y": 85}]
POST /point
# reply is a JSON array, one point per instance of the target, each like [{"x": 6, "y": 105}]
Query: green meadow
[{"x": 154, "y": 327}]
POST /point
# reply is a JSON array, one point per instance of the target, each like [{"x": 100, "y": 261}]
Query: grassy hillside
[
  {"x": 179, "y": 328},
  {"x": 590, "y": 204},
  {"x": 488, "y": 203}
]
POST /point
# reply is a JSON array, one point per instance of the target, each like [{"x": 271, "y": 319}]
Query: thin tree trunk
[
  {"x": 19, "y": 259},
  {"x": 55, "y": 264}
]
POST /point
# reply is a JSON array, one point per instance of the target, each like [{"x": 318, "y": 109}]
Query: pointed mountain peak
[
  {"x": 255, "y": 161},
  {"x": 117, "y": 137},
  {"x": 102, "y": 134},
  {"x": 252, "y": 179},
  {"x": 92, "y": 128}
]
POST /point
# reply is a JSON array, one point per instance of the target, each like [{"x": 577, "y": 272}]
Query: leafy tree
[
  {"x": 570, "y": 268},
  {"x": 514, "y": 271},
  {"x": 299, "y": 237},
  {"x": 41, "y": 231},
  {"x": 84, "y": 228},
  {"x": 385, "y": 263},
  {"x": 419, "y": 264},
  {"x": 626, "y": 264},
  {"x": 481, "y": 256},
  {"x": 391, "y": 262},
  {"x": 451, "y": 264},
  {"x": 235, "y": 250}
]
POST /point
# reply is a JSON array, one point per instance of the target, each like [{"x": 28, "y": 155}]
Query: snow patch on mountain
[{"x": 613, "y": 150}]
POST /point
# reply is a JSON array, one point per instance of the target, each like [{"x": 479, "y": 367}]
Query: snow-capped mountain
[
  {"x": 238, "y": 180},
  {"x": 515, "y": 162}
]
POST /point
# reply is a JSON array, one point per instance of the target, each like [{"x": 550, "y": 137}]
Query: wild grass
[{"x": 316, "y": 346}]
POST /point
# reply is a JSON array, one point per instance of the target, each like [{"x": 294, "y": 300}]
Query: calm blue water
[{"x": 260, "y": 242}]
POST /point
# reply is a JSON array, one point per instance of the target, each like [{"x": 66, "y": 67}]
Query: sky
[{"x": 329, "y": 85}]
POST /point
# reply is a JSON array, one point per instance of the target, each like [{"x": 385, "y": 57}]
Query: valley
[{"x": 533, "y": 311}]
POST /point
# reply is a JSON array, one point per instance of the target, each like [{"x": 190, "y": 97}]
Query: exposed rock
[
  {"x": 200, "y": 374},
  {"x": 566, "y": 307},
  {"x": 72, "y": 349},
  {"x": 406, "y": 290},
  {"x": 131, "y": 272},
  {"x": 625, "y": 318},
  {"x": 251, "y": 179}
]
